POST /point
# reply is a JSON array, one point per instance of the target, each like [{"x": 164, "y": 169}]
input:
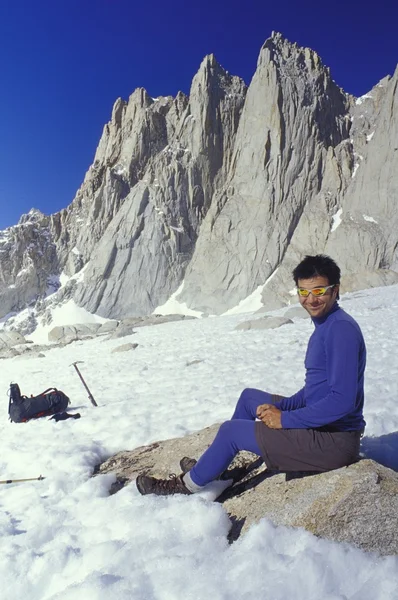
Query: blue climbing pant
[{"x": 232, "y": 437}]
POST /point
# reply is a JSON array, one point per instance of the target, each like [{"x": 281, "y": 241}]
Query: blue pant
[{"x": 233, "y": 436}]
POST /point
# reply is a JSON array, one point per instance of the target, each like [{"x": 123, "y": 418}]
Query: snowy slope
[{"x": 64, "y": 538}]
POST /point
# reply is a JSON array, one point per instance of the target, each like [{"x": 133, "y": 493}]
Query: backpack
[{"x": 22, "y": 409}]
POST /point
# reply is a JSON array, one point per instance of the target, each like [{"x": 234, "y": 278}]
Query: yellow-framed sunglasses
[{"x": 319, "y": 291}]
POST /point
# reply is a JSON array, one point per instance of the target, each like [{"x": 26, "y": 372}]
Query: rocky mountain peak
[
  {"x": 294, "y": 62},
  {"x": 211, "y": 76},
  {"x": 117, "y": 111},
  {"x": 28, "y": 259},
  {"x": 215, "y": 195},
  {"x": 33, "y": 216}
]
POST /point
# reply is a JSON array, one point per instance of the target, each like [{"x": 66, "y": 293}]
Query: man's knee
[
  {"x": 246, "y": 394},
  {"x": 226, "y": 429},
  {"x": 238, "y": 434}
]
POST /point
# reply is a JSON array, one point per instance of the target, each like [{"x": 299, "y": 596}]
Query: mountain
[{"x": 221, "y": 193}]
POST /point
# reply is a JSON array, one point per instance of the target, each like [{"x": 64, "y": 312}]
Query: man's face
[{"x": 318, "y": 306}]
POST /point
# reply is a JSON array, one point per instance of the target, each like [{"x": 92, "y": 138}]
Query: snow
[
  {"x": 5, "y": 235},
  {"x": 362, "y": 99},
  {"x": 355, "y": 170},
  {"x": 64, "y": 314},
  {"x": 253, "y": 302},
  {"x": 173, "y": 307},
  {"x": 336, "y": 220},
  {"x": 369, "y": 137},
  {"x": 370, "y": 219},
  {"x": 65, "y": 538},
  {"x": 64, "y": 278}
]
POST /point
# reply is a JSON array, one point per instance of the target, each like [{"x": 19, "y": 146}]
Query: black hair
[{"x": 321, "y": 265}]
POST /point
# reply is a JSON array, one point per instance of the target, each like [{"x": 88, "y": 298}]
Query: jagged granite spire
[
  {"x": 224, "y": 190},
  {"x": 28, "y": 259},
  {"x": 293, "y": 115},
  {"x": 155, "y": 173}
]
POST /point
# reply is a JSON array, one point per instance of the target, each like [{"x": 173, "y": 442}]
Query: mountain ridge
[{"x": 216, "y": 192}]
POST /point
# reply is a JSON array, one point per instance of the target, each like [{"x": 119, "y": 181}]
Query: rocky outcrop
[
  {"x": 8, "y": 339},
  {"x": 65, "y": 334},
  {"x": 351, "y": 217},
  {"x": 369, "y": 220},
  {"x": 28, "y": 262},
  {"x": 278, "y": 175},
  {"x": 168, "y": 155},
  {"x": 211, "y": 196},
  {"x": 296, "y": 312},
  {"x": 125, "y": 348},
  {"x": 338, "y": 505},
  {"x": 71, "y": 333},
  {"x": 12, "y": 343},
  {"x": 22, "y": 348},
  {"x": 263, "y": 323},
  {"x": 293, "y": 119}
]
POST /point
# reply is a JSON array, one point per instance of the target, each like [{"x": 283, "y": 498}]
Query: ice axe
[{"x": 91, "y": 397}]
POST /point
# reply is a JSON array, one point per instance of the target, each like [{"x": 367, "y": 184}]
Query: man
[{"x": 318, "y": 428}]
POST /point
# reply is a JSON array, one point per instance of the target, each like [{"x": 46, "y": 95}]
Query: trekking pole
[
  {"x": 91, "y": 397},
  {"x": 40, "y": 478}
]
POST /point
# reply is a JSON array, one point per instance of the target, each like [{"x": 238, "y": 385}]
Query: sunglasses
[{"x": 319, "y": 291}]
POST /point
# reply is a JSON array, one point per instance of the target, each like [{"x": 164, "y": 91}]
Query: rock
[
  {"x": 356, "y": 504},
  {"x": 211, "y": 197},
  {"x": 159, "y": 319},
  {"x": 8, "y": 352},
  {"x": 125, "y": 348},
  {"x": 28, "y": 258},
  {"x": 126, "y": 326},
  {"x": 250, "y": 223},
  {"x": 70, "y": 333},
  {"x": 296, "y": 312},
  {"x": 8, "y": 339},
  {"x": 153, "y": 178},
  {"x": 122, "y": 330},
  {"x": 107, "y": 327},
  {"x": 264, "y": 323},
  {"x": 368, "y": 279}
]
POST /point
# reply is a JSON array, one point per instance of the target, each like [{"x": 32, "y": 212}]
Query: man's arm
[
  {"x": 342, "y": 357},
  {"x": 293, "y": 402},
  {"x": 270, "y": 414}
]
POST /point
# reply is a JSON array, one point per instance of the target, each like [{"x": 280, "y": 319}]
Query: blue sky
[{"x": 64, "y": 63}]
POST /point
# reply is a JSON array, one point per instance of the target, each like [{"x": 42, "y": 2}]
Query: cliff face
[
  {"x": 28, "y": 262},
  {"x": 152, "y": 183},
  {"x": 224, "y": 191},
  {"x": 293, "y": 121}
]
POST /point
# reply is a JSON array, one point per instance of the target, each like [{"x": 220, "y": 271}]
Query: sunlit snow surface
[
  {"x": 336, "y": 220},
  {"x": 64, "y": 538}
]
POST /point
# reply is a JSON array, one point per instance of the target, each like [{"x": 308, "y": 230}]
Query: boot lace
[{"x": 169, "y": 485}]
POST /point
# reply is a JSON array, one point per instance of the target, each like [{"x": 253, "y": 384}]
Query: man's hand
[{"x": 270, "y": 415}]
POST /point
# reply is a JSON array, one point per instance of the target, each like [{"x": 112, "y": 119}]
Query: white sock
[
  {"x": 191, "y": 485},
  {"x": 211, "y": 491}
]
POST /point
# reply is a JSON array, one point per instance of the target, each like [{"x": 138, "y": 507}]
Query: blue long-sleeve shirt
[{"x": 333, "y": 394}]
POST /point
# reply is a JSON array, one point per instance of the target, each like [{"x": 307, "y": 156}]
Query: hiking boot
[
  {"x": 161, "y": 487},
  {"x": 186, "y": 464}
]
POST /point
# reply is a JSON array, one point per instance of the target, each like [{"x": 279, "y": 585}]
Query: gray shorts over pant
[{"x": 307, "y": 449}]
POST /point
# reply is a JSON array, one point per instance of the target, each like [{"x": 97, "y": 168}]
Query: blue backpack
[{"x": 22, "y": 409}]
